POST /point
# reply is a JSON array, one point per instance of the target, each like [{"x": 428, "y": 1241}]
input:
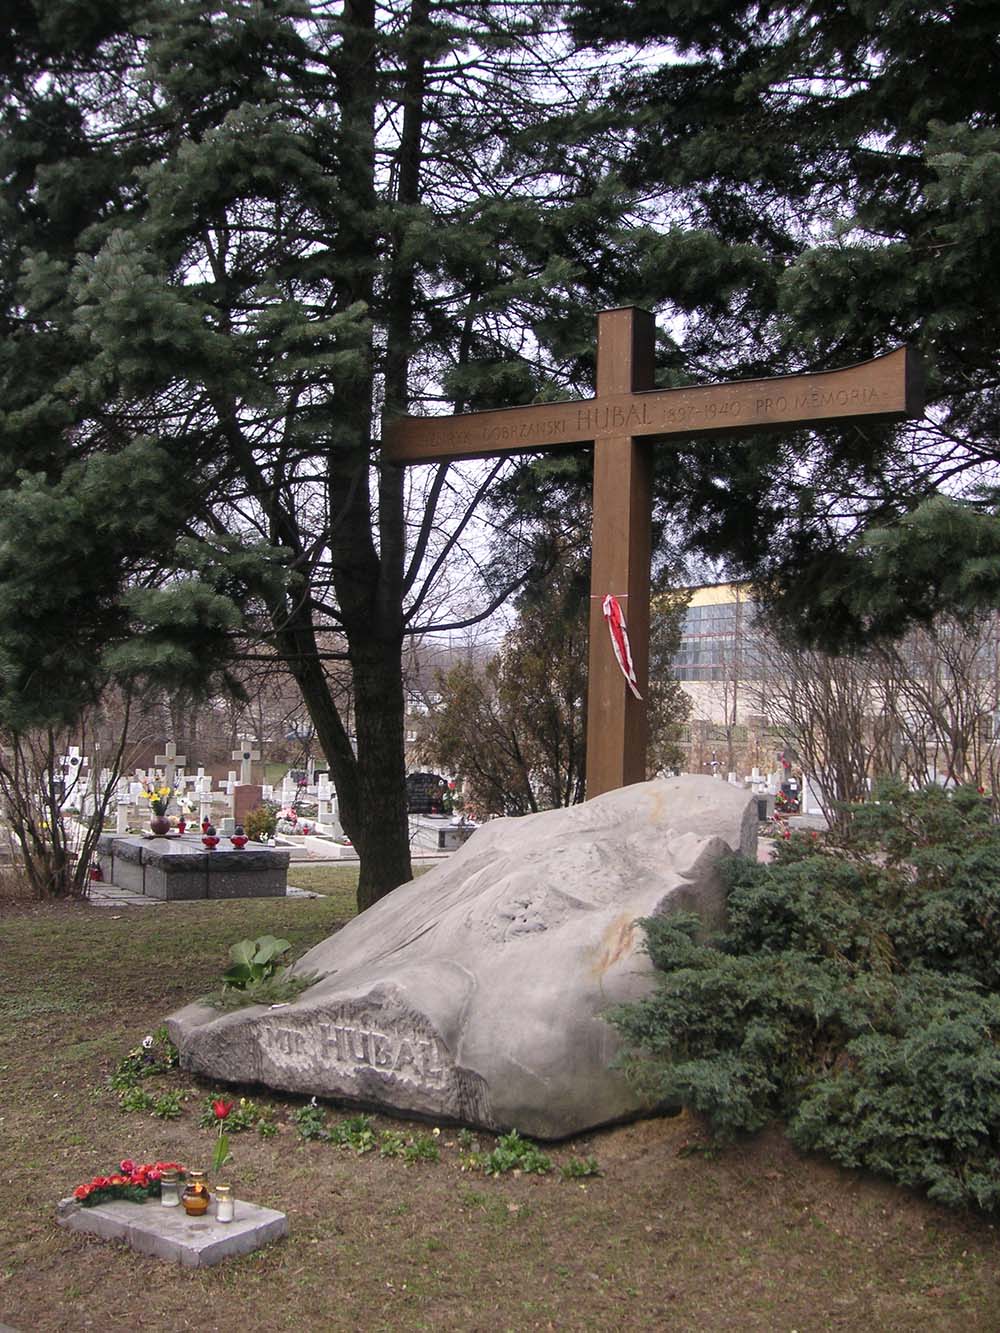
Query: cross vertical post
[{"x": 616, "y": 721}]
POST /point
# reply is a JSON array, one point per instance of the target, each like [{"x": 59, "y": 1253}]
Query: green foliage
[
  {"x": 156, "y": 1054},
  {"x": 245, "y": 1115},
  {"x": 855, "y": 994},
  {"x": 512, "y": 1153},
  {"x": 258, "y": 976},
  {"x": 282, "y": 988},
  {"x": 421, "y": 1148},
  {"x": 134, "y": 1098},
  {"x": 795, "y": 245},
  {"x": 579, "y": 1168},
  {"x": 261, "y": 822},
  {"x": 310, "y": 1121},
  {"x": 355, "y": 1133},
  {"x": 168, "y": 1106},
  {"x": 254, "y": 960},
  {"x": 180, "y": 359}
]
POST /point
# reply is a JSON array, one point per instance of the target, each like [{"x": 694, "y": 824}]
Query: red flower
[
  {"x": 128, "y": 1166},
  {"x": 221, "y": 1109},
  {"x": 81, "y": 1191}
]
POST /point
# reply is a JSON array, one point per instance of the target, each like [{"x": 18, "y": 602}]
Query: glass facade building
[{"x": 716, "y": 636}]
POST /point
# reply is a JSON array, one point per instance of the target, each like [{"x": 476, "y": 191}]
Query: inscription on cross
[
  {"x": 171, "y": 761},
  {"x": 624, "y": 414}
]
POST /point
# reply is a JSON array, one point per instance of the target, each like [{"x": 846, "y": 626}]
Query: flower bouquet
[
  {"x": 131, "y": 1181},
  {"x": 158, "y": 797}
]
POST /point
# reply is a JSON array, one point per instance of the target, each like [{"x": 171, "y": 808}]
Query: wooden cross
[
  {"x": 624, "y": 413},
  {"x": 171, "y": 762},
  {"x": 246, "y": 756}
]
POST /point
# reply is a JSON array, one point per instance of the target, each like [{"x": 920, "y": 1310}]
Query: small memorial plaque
[{"x": 426, "y": 794}]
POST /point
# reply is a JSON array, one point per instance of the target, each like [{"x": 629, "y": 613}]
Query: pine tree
[
  {"x": 830, "y": 172},
  {"x": 244, "y": 229}
]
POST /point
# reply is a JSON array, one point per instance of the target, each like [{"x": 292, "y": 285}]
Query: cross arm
[{"x": 887, "y": 388}]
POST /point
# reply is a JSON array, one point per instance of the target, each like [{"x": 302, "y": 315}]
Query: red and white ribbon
[{"x": 619, "y": 641}]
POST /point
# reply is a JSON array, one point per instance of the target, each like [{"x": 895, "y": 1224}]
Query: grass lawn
[
  {"x": 668, "y": 1237},
  {"x": 338, "y": 882}
]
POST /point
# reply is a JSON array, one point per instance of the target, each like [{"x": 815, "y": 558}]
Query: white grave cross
[
  {"x": 204, "y": 789},
  {"x": 246, "y": 756},
  {"x": 171, "y": 761},
  {"x": 71, "y": 764}
]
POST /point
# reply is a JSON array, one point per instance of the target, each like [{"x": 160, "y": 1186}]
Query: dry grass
[{"x": 668, "y": 1237}]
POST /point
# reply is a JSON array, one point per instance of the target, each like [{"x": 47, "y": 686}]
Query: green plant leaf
[
  {"x": 268, "y": 947},
  {"x": 243, "y": 952}
]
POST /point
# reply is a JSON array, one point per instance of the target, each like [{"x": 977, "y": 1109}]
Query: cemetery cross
[
  {"x": 625, "y": 411},
  {"x": 246, "y": 756},
  {"x": 171, "y": 762}
]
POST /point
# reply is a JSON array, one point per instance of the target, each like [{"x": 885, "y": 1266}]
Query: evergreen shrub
[{"x": 854, "y": 994}]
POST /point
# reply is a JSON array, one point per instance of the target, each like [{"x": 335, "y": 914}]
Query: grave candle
[
  {"x": 169, "y": 1191},
  {"x": 223, "y": 1203}
]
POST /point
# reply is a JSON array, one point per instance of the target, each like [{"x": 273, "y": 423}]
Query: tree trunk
[
  {"x": 381, "y": 787},
  {"x": 368, "y": 582}
]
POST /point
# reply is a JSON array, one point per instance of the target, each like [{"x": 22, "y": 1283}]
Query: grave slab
[
  {"x": 169, "y": 1234},
  {"x": 171, "y": 868}
]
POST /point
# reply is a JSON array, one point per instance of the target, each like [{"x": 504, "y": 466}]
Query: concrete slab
[{"x": 169, "y": 1234}]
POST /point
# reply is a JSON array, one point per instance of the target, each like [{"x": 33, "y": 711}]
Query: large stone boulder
[{"x": 476, "y": 992}]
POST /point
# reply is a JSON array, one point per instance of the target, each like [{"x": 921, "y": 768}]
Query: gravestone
[
  {"x": 246, "y": 797},
  {"x": 425, "y": 794},
  {"x": 325, "y": 796},
  {"x": 477, "y": 993}
]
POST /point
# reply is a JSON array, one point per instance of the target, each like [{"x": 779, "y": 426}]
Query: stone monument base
[
  {"x": 478, "y": 993},
  {"x": 168, "y": 1233},
  {"x": 175, "y": 867}
]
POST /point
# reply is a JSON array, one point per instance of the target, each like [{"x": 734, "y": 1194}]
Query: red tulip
[{"x": 221, "y": 1109}]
